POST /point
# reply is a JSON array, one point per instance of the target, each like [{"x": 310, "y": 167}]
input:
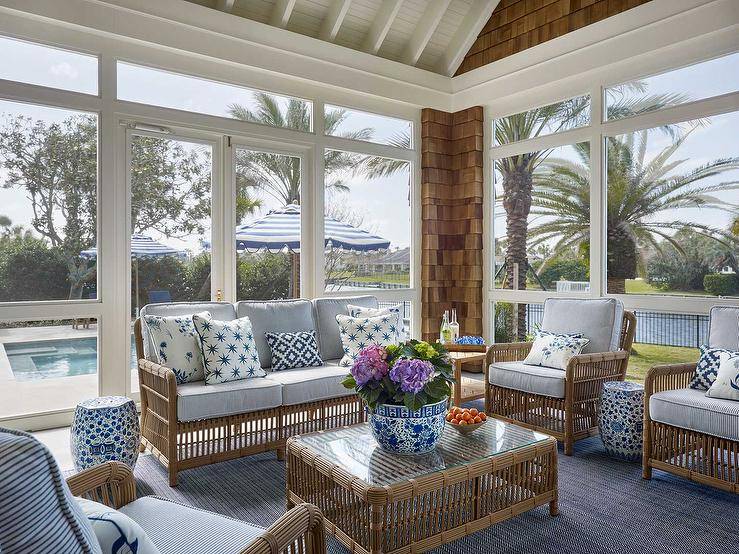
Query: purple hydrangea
[
  {"x": 412, "y": 375},
  {"x": 370, "y": 365}
]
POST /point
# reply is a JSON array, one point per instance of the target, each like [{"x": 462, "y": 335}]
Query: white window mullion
[
  {"x": 598, "y": 208},
  {"x": 316, "y": 262},
  {"x": 228, "y": 213}
]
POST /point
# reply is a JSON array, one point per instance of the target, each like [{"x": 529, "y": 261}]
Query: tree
[{"x": 642, "y": 196}]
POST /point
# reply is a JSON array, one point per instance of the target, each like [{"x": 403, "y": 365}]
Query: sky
[{"x": 382, "y": 203}]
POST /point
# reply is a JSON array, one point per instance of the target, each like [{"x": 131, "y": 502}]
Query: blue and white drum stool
[
  {"x": 105, "y": 429},
  {"x": 621, "y": 419}
]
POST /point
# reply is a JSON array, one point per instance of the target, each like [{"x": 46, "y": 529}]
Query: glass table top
[{"x": 355, "y": 450}]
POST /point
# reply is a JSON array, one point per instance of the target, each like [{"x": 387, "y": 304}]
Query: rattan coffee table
[{"x": 374, "y": 501}]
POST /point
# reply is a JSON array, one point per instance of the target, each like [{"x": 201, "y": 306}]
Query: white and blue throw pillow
[
  {"x": 115, "y": 531},
  {"x": 707, "y": 367},
  {"x": 177, "y": 345},
  {"x": 553, "y": 350},
  {"x": 358, "y": 332},
  {"x": 397, "y": 310},
  {"x": 228, "y": 348},
  {"x": 291, "y": 350},
  {"x": 726, "y": 384}
]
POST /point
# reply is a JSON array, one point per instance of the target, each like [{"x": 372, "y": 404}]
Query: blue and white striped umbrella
[
  {"x": 279, "y": 230},
  {"x": 143, "y": 247}
]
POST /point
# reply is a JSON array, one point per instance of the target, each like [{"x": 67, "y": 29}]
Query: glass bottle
[
  {"x": 445, "y": 334},
  {"x": 219, "y": 295},
  {"x": 454, "y": 324}
]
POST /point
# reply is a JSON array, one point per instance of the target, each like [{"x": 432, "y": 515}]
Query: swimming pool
[{"x": 52, "y": 359}]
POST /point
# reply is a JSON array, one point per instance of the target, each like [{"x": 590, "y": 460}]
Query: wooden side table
[{"x": 466, "y": 387}]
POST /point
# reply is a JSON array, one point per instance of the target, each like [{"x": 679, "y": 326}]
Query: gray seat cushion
[
  {"x": 599, "y": 319},
  {"x": 328, "y": 330},
  {"x": 723, "y": 329},
  {"x": 311, "y": 383},
  {"x": 179, "y": 529},
  {"x": 691, "y": 409},
  {"x": 275, "y": 316},
  {"x": 223, "y": 311},
  {"x": 546, "y": 381},
  {"x": 37, "y": 510},
  {"x": 200, "y": 401}
]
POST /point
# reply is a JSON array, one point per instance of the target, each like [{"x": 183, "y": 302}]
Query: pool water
[{"x": 53, "y": 359}]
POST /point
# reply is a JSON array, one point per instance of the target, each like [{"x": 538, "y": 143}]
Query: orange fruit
[
  {"x": 454, "y": 421},
  {"x": 477, "y": 419},
  {"x": 483, "y": 417},
  {"x": 463, "y": 422},
  {"x": 449, "y": 416},
  {"x": 466, "y": 416},
  {"x": 474, "y": 412}
]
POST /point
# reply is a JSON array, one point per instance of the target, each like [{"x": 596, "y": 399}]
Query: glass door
[{"x": 171, "y": 183}]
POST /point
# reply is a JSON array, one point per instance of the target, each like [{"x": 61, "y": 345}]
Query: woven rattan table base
[{"x": 416, "y": 515}]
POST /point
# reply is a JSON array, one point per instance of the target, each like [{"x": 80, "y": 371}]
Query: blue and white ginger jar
[{"x": 402, "y": 431}]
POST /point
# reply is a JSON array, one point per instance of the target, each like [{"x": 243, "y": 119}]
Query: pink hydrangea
[
  {"x": 370, "y": 365},
  {"x": 412, "y": 375}
]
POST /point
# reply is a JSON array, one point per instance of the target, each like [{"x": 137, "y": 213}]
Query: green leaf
[{"x": 349, "y": 382}]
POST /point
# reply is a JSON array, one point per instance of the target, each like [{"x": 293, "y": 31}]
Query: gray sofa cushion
[
  {"x": 691, "y": 409},
  {"x": 275, "y": 316},
  {"x": 328, "y": 330},
  {"x": 178, "y": 529},
  {"x": 599, "y": 319},
  {"x": 724, "y": 328},
  {"x": 519, "y": 376},
  {"x": 311, "y": 383},
  {"x": 200, "y": 401},
  {"x": 223, "y": 311}
]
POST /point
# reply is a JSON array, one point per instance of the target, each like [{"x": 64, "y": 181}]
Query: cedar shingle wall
[
  {"x": 452, "y": 196},
  {"x": 516, "y": 25}
]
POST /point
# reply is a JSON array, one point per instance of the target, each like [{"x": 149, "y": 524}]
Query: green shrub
[
  {"x": 263, "y": 276},
  {"x": 569, "y": 269},
  {"x": 721, "y": 284},
  {"x": 31, "y": 270}
]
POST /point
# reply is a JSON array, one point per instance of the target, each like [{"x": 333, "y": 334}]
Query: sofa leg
[
  {"x": 142, "y": 447},
  {"x": 646, "y": 471},
  {"x": 172, "y": 476},
  {"x": 569, "y": 444},
  {"x": 281, "y": 454}
]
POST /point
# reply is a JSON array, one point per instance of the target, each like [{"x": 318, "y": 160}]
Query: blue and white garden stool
[
  {"x": 105, "y": 429},
  {"x": 621, "y": 419}
]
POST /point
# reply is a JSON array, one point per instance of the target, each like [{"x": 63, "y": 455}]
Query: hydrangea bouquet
[{"x": 411, "y": 374}]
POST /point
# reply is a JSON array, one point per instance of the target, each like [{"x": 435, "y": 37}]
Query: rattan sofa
[
  {"x": 191, "y": 425},
  {"x": 685, "y": 432},
  {"x": 562, "y": 403}
]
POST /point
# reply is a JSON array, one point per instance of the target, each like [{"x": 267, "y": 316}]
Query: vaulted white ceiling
[{"x": 429, "y": 34}]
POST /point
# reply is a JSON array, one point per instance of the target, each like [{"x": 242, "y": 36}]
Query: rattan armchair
[
  {"x": 300, "y": 530},
  {"x": 569, "y": 418}
]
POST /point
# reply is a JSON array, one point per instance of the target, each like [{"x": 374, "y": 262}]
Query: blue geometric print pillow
[
  {"x": 707, "y": 367},
  {"x": 177, "y": 345},
  {"x": 291, "y": 350},
  {"x": 228, "y": 348}
]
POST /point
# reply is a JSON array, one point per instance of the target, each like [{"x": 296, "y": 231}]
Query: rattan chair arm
[
  {"x": 160, "y": 379},
  {"x": 505, "y": 352},
  {"x": 667, "y": 377},
  {"x": 589, "y": 366},
  {"x": 111, "y": 483},
  {"x": 299, "y": 530}
]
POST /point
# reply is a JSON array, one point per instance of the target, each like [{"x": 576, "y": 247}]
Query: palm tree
[
  {"x": 643, "y": 194},
  {"x": 517, "y": 171}
]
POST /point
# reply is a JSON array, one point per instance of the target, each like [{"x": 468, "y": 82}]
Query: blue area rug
[{"x": 605, "y": 506}]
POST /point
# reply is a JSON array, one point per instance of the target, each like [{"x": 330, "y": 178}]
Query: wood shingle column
[{"x": 452, "y": 208}]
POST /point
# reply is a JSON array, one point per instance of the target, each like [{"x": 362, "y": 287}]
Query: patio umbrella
[
  {"x": 142, "y": 247},
  {"x": 279, "y": 231}
]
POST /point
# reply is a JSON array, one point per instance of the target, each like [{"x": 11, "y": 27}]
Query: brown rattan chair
[
  {"x": 573, "y": 414},
  {"x": 300, "y": 530},
  {"x": 693, "y": 453}
]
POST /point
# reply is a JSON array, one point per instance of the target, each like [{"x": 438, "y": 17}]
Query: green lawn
[
  {"x": 640, "y": 286},
  {"x": 644, "y": 356}
]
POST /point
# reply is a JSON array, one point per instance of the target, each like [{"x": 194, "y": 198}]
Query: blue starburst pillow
[
  {"x": 358, "y": 332},
  {"x": 228, "y": 349},
  {"x": 707, "y": 368},
  {"x": 291, "y": 350}
]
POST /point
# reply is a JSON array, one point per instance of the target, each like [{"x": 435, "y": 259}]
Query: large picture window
[
  {"x": 673, "y": 209},
  {"x": 48, "y": 203}
]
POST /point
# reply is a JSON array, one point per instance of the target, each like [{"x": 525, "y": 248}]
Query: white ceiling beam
[
  {"x": 281, "y": 13},
  {"x": 381, "y": 25},
  {"x": 465, "y": 37},
  {"x": 225, "y": 5},
  {"x": 333, "y": 20},
  {"x": 424, "y": 30}
]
